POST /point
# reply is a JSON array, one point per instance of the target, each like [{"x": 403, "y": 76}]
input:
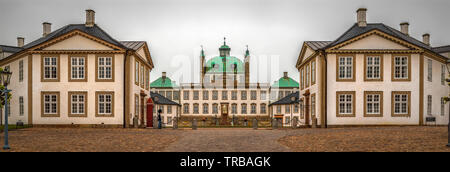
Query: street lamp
[
  {"x": 5, "y": 78},
  {"x": 448, "y": 81}
]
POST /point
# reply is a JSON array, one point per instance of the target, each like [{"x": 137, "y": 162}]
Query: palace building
[
  {"x": 78, "y": 75},
  {"x": 373, "y": 74},
  {"x": 225, "y": 90}
]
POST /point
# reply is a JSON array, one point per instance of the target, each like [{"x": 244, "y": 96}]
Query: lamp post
[
  {"x": 448, "y": 81},
  {"x": 5, "y": 77}
]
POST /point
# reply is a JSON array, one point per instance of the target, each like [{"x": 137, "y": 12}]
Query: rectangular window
[
  {"x": 105, "y": 68},
  {"x": 50, "y": 68},
  {"x": 233, "y": 95},
  {"x": 224, "y": 95},
  {"x": 345, "y": 68},
  {"x": 50, "y": 104},
  {"x": 176, "y": 95},
  {"x": 244, "y": 109},
  {"x": 263, "y": 95},
  {"x": 278, "y": 109},
  {"x": 253, "y": 95},
  {"x": 443, "y": 68},
  {"x": 162, "y": 93},
  {"x": 442, "y": 106},
  {"x": 302, "y": 85},
  {"x": 373, "y": 67},
  {"x": 105, "y": 103},
  {"x": 401, "y": 68},
  {"x": 313, "y": 105},
  {"x": 263, "y": 108},
  {"x": 430, "y": 70},
  {"x": 401, "y": 104},
  {"x": 307, "y": 73},
  {"x": 136, "y": 105},
  {"x": 136, "y": 73},
  {"x": 287, "y": 120},
  {"x": 253, "y": 109},
  {"x": 302, "y": 115},
  {"x": 77, "y": 68},
  {"x": 169, "y": 95},
  {"x": 429, "y": 104},
  {"x": 196, "y": 95},
  {"x": 205, "y": 95},
  {"x": 161, "y": 108},
  {"x": 280, "y": 94},
  {"x": 77, "y": 104},
  {"x": 21, "y": 106},
  {"x": 147, "y": 79},
  {"x": 215, "y": 95},
  {"x": 243, "y": 95},
  {"x": 186, "y": 95},
  {"x": 20, "y": 70},
  {"x": 313, "y": 72},
  {"x": 169, "y": 109},
  {"x": 287, "y": 109},
  {"x": 142, "y": 76},
  {"x": 345, "y": 103},
  {"x": 296, "y": 108},
  {"x": 373, "y": 104},
  {"x": 215, "y": 108}
]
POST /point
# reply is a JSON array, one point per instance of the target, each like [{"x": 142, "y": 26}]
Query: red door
[{"x": 150, "y": 112}]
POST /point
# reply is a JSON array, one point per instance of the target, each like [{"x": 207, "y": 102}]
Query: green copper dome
[
  {"x": 224, "y": 47},
  {"x": 231, "y": 65},
  {"x": 163, "y": 83},
  {"x": 285, "y": 82}
]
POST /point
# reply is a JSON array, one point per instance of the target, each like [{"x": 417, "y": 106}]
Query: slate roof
[
  {"x": 442, "y": 49},
  {"x": 355, "y": 31},
  {"x": 95, "y": 31},
  {"x": 10, "y": 49},
  {"x": 288, "y": 99},
  {"x": 315, "y": 45},
  {"x": 159, "y": 99},
  {"x": 134, "y": 45}
]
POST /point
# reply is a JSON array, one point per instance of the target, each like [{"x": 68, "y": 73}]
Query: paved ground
[
  {"x": 370, "y": 139},
  {"x": 89, "y": 139},
  {"x": 402, "y": 139},
  {"x": 229, "y": 140}
]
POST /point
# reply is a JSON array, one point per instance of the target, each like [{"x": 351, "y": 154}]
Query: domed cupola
[{"x": 224, "y": 49}]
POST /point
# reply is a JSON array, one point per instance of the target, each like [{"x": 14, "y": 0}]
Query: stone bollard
[
  {"x": 155, "y": 122},
  {"x": 294, "y": 122},
  {"x": 255, "y": 124},
  {"x": 274, "y": 124},
  {"x": 314, "y": 122},
  {"x": 135, "y": 122},
  {"x": 194, "y": 124},
  {"x": 175, "y": 123}
]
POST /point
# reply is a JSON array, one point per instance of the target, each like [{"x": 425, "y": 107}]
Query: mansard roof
[{"x": 163, "y": 83}]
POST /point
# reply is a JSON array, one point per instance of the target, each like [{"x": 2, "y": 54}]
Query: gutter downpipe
[{"x": 124, "y": 89}]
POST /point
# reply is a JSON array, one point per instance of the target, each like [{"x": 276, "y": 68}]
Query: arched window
[
  {"x": 243, "y": 108},
  {"x": 215, "y": 108},
  {"x": 186, "y": 108},
  {"x": 205, "y": 108},
  {"x": 263, "y": 108},
  {"x": 234, "y": 108},
  {"x": 196, "y": 108},
  {"x": 253, "y": 108}
]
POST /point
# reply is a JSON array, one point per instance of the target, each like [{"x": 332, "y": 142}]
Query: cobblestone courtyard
[{"x": 230, "y": 140}]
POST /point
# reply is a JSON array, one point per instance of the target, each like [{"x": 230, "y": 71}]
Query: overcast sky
[{"x": 175, "y": 29}]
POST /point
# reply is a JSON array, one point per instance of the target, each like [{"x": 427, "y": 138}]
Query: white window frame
[
  {"x": 401, "y": 104},
  {"x": 429, "y": 105},
  {"x": 401, "y": 67},
  {"x": 50, "y": 104},
  {"x": 50, "y": 67},
  {"x": 430, "y": 70},
  {"x": 373, "y": 104},
  {"x": 76, "y": 103},
  {"x": 21, "y": 106},
  {"x": 105, "y": 104},
  {"x": 105, "y": 68},
  {"x": 373, "y": 69},
  {"x": 345, "y": 104},
  {"x": 21, "y": 71},
  {"x": 77, "y": 67},
  {"x": 345, "y": 65}
]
